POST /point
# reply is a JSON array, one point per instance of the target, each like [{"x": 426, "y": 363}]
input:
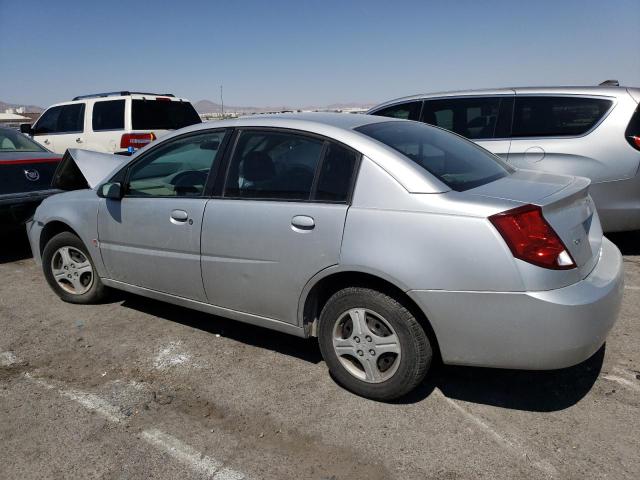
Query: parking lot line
[
  {"x": 631, "y": 287},
  {"x": 202, "y": 464},
  {"x": 509, "y": 445}
]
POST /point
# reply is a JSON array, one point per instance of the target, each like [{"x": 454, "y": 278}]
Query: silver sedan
[{"x": 389, "y": 240}]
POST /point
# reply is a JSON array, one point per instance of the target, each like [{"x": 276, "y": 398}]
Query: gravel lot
[{"x": 141, "y": 389}]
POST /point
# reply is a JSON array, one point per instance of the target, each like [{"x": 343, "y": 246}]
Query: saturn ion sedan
[{"x": 391, "y": 241}]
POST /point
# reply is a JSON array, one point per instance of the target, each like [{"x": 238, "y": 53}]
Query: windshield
[
  {"x": 162, "y": 115},
  {"x": 13, "y": 141},
  {"x": 457, "y": 162}
]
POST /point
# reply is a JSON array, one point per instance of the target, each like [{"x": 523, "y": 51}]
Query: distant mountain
[
  {"x": 207, "y": 106},
  {"x": 28, "y": 108}
]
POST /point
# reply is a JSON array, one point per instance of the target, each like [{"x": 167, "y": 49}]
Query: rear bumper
[
  {"x": 16, "y": 208},
  {"x": 528, "y": 330}
]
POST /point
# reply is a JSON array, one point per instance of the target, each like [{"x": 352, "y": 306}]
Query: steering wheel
[{"x": 185, "y": 183}]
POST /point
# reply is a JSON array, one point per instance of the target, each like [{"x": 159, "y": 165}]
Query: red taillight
[
  {"x": 634, "y": 140},
  {"x": 136, "y": 140},
  {"x": 531, "y": 238}
]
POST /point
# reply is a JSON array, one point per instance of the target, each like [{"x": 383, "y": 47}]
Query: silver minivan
[
  {"x": 588, "y": 131},
  {"x": 391, "y": 241}
]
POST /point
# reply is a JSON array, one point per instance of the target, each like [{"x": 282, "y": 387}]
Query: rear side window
[
  {"x": 458, "y": 163},
  {"x": 470, "y": 117},
  {"x": 273, "y": 165},
  {"x": 62, "y": 119},
  {"x": 336, "y": 174},
  {"x": 108, "y": 115},
  {"x": 405, "y": 111},
  {"x": 556, "y": 116},
  {"x": 162, "y": 115}
]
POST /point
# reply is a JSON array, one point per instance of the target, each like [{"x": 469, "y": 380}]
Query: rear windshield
[
  {"x": 11, "y": 141},
  {"x": 162, "y": 115},
  {"x": 457, "y": 162}
]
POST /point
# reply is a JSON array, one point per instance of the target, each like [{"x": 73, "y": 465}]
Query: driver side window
[{"x": 179, "y": 168}]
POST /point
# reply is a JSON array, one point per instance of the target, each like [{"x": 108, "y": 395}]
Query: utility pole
[{"x": 221, "y": 101}]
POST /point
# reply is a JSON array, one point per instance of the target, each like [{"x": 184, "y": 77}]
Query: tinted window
[
  {"x": 336, "y": 174},
  {"x": 108, "y": 115},
  {"x": 62, "y": 119},
  {"x": 162, "y": 114},
  {"x": 273, "y": 165},
  {"x": 48, "y": 122},
  {"x": 12, "y": 141},
  {"x": 406, "y": 111},
  {"x": 71, "y": 118},
  {"x": 469, "y": 117},
  {"x": 556, "y": 116},
  {"x": 458, "y": 163},
  {"x": 179, "y": 168}
]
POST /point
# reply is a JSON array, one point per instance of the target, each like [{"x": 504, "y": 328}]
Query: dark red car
[{"x": 26, "y": 171}]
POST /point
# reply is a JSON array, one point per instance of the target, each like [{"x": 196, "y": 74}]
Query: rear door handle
[
  {"x": 179, "y": 216},
  {"x": 47, "y": 141},
  {"x": 78, "y": 140},
  {"x": 303, "y": 222}
]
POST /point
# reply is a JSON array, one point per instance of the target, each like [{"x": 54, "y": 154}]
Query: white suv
[{"x": 115, "y": 122}]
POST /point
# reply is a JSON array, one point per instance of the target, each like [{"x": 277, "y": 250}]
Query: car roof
[
  {"x": 608, "y": 91},
  {"x": 335, "y": 126}
]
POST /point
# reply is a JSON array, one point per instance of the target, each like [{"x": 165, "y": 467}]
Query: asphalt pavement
[{"x": 136, "y": 388}]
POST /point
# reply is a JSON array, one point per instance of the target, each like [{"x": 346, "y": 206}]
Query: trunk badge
[{"x": 32, "y": 175}]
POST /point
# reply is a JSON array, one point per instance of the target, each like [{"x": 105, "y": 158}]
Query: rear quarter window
[
  {"x": 557, "y": 116},
  {"x": 458, "y": 163},
  {"x": 162, "y": 115}
]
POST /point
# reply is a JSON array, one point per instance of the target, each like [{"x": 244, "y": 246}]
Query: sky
[{"x": 308, "y": 52}]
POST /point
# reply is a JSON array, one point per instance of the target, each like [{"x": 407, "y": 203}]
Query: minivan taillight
[
  {"x": 136, "y": 140},
  {"x": 531, "y": 238},
  {"x": 633, "y": 130}
]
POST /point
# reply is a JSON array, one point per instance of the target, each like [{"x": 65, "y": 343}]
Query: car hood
[{"x": 86, "y": 169}]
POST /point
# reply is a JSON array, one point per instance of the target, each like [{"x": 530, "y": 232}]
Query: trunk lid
[
  {"x": 22, "y": 172},
  {"x": 566, "y": 205}
]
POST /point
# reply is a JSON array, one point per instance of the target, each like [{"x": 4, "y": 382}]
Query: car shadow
[
  {"x": 303, "y": 349},
  {"x": 14, "y": 245},
  {"x": 534, "y": 391},
  {"x": 537, "y": 391},
  {"x": 627, "y": 242}
]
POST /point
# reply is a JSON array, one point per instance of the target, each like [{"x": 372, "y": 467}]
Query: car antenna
[{"x": 610, "y": 83}]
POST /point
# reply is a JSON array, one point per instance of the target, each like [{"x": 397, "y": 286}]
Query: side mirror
[
  {"x": 26, "y": 129},
  {"x": 112, "y": 191}
]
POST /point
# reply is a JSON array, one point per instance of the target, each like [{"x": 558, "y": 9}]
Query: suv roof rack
[
  {"x": 120, "y": 94},
  {"x": 610, "y": 83}
]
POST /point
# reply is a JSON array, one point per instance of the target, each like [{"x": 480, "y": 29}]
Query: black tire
[
  {"x": 416, "y": 351},
  {"x": 95, "y": 294}
]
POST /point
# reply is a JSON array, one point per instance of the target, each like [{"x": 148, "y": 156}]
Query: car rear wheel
[
  {"x": 69, "y": 270},
  {"x": 372, "y": 344}
]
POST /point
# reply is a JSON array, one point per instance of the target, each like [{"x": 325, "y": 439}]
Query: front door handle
[
  {"x": 46, "y": 140},
  {"x": 303, "y": 222},
  {"x": 78, "y": 140},
  {"x": 179, "y": 216}
]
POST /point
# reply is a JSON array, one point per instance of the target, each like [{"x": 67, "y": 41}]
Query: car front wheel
[
  {"x": 372, "y": 344},
  {"x": 69, "y": 270}
]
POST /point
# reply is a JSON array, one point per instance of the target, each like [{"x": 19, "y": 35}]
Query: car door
[
  {"x": 485, "y": 120},
  {"x": 107, "y": 125},
  {"x": 44, "y": 130},
  {"x": 278, "y": 221},
  {"x": 70, "y": 127},
  {"x": 151, "y": 237}
]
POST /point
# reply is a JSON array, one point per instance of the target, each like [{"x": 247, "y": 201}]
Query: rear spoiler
[{"x": 82, "y": 169}]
